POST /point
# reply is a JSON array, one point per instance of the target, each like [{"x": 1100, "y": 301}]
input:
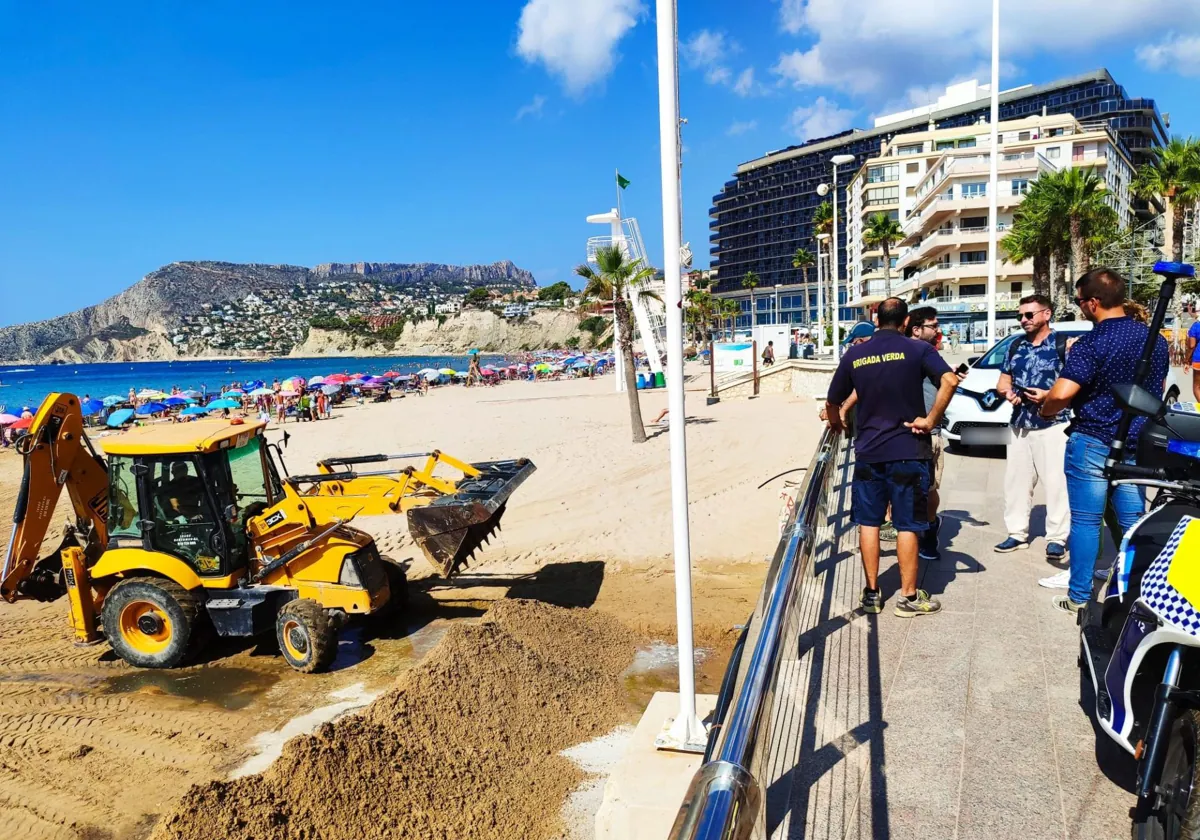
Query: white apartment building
[{"x": 935, "y": 184}]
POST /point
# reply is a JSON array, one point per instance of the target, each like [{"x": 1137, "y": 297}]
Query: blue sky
[{"x": 140, "y": 133}]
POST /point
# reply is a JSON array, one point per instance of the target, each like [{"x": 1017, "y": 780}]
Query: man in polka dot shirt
[{"x": 1106, "y": 356}]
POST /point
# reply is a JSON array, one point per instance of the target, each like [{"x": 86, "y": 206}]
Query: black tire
[
  {"x": 151, "y": 622},
  {"x": 398, "y": 586},
  {"x": 1176, "y": 815},
  {"x": 307, "y": 635}
]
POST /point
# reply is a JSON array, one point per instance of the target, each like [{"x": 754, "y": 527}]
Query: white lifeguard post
[{"x": 647, "y": 314}]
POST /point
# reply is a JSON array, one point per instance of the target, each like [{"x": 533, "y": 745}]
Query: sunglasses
[
  {"x": 1080, "y": 301},
  {"x": 1028, "y": 316}
]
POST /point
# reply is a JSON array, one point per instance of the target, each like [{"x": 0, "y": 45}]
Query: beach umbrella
[
  {"x": 472, "y": 352},
  {"x": 448, "y": 371},
  {"x": 488, "y": 372},
  {"x": 8, "y": 419},
  {"x": 261, "y": 392},
  {"x": 290, "y": 393},
  {"x": 430, "y": 374},
  {"x": 582, "y": 364},
  {"x": 317, "y": 380},
  {"x": 191, "y": 395},
  {"x": 235, "y": 392},
  {"x": 329, "y": 390},
  {"x": 22, "y": 424},
  {"x": 391, "y": 374},
  {"x": 337, "y": 377},
  {"x": 219, "y": 404},
  {"x": 542, "y": 366},
  {"x": 194, "y": 410},
  {"x": 150, "y": 394},
  {"x": 119, "y": 418},
  {"x": 425, "y": 371},
  {"x": 171, "y": 402},
  {"x": 151, "y": 408},
  {"x": 91, "y": 407},
  {"x": 112, "y": 400}
]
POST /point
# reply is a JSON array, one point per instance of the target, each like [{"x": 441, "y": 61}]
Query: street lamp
[
  {"x": 836, "y": 161},
  {"x": 822, "y": 238},
  {"x": 777, "y": 304}
]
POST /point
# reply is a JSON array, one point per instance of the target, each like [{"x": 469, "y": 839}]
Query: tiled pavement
[{"x": 967, "y": 724}]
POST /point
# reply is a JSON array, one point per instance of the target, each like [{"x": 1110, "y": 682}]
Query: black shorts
[{"x": 904, "y": 484}]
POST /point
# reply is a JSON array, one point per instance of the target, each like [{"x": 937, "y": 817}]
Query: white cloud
[
  {"x": 741, "y": 127},
  {"x": 863, "y": 46},
  {"x": 531, "y": 109},
  {"x": 820, "y": 119},
  {"x": 1178, "y": 53},
  {"x": 747, "y": 85},
  {"x": 576, "y": 40}
]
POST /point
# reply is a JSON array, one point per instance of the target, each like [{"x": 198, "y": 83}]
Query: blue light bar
[{"x": 1178, "y": 269}]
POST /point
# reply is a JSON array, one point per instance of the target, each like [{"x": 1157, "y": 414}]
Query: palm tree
[
  {"x": 750, "y": 281},
  {"x": 1174, "y": 174},
  {"x": 699, "y": 312},
  {"x": 884, "y": 231},
  {"x": 803, "y": 260},
  {"x": 822, "y": 222},
  {"x": 617, "y": 280},
  {"x": 731, "y": 310},
  {"x": 1027, "y": 240},
  {"x": 1079, "y": 196}
]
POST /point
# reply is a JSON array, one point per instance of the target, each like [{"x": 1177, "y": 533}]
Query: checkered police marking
[{"x": 1167, "y": 603}]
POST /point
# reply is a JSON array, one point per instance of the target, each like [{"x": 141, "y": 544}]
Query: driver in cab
[{"x": 183, "y": 495}]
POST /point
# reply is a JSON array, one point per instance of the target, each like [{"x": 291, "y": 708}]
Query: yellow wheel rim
[
  {"x": 146, "y": 627},
  {"x": 295, "y": 640}
]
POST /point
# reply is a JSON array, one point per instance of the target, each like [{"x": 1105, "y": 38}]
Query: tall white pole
[
  {"x": 994, "y": 177},
  {"x": 820, "y": 297},
  {"x": 686, "y": 729},
  {"x": 837, "y": 279}
]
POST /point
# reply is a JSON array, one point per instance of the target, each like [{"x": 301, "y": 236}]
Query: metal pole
[
  {"x": 837, "y": 279},
  {"x": 686, "y": 730},
  {"x": 993, "y": 177},
  {"x": 820, "y": 298}
]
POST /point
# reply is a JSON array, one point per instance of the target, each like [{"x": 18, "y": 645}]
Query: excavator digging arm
[{"x": 57, "y": 454}]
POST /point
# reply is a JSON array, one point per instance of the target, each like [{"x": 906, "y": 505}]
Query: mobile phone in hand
[{"x": 962, "y": 369}]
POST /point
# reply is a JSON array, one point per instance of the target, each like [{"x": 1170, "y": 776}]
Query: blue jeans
[{"x": 1086, "y": 492}]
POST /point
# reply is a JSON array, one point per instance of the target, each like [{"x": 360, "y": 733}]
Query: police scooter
[{"x": 1140, "y": 634}]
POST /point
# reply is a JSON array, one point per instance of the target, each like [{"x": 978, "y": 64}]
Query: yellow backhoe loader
[{"x": 186, "y": 528}]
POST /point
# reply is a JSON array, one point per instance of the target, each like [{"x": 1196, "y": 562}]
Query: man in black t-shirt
[{"x": 892, "y": 446}]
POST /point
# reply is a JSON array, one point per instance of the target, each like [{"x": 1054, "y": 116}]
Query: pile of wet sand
[{"x": 465, "y": 746}]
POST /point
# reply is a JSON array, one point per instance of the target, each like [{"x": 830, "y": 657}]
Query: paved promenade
[{"x": 963, "y": 725}]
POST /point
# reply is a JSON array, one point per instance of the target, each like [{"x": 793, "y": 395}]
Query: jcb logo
[{"x": 99, "y": 503}]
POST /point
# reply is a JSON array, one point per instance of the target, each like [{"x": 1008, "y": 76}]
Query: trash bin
[
  {"x": 641, "y": 381},
  {"x": 660, "y": 381}
]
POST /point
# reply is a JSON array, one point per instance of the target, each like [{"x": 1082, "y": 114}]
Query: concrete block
[{"x": 643, "y": 794}]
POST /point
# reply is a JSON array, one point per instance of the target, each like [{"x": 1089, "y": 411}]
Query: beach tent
[
  {"x": 151, "y": 408},
  {"x": 91, "y": 407},
  {"x": 194, "y": 410},
  {"x": 119, "y": 418},
  {"x": 112, "y": 400},
  {"x": 219, "y": 404}
]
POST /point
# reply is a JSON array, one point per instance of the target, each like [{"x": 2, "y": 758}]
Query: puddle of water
[
  {"x": 597, "y": 758},
  {"x": 269, "y": 745},
  {"x": 229, "y": 688},
  {"x": 656, "y": 668}
]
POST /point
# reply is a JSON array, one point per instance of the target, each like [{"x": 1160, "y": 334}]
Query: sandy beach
[{"x": 590, "y": 528}]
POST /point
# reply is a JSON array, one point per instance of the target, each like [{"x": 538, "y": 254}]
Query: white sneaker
[{"x": 1062, "y": 580}]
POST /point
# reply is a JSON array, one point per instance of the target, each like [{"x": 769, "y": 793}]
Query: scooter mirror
[{"x": 1138, "y": 400}]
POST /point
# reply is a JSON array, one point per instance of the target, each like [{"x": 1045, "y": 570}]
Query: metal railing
[{"x": 725, "y": 800}]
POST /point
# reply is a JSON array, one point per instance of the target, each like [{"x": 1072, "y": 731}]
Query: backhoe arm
[{"x": 57, "y": 454}]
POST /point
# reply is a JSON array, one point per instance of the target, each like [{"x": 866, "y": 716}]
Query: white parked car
[{"x": 977, "y": 414}]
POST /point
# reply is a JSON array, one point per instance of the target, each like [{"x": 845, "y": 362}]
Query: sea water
[{"x": 26, "y": 385}]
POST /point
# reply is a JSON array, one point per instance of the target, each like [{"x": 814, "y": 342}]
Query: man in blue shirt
[
  {"x": 1106, "y": 356},
  {"x": 1193, "y": 358},
  {"x": 892, "y": 446},
  {"x": 1037, "y": 444}
]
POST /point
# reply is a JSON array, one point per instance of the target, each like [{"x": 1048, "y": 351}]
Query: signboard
[{"x": 736, "y": 357}]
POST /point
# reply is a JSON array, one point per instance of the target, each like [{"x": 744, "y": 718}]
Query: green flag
[{"x": 622, "y": 182}]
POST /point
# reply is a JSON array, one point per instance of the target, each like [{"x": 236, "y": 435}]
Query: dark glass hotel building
[{"x": 763, "y": 214}]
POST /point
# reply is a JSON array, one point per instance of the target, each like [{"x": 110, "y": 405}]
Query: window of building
[
  {"x": 879, "y": 174},
  {"x": 974, "y": 223},
  {"x": 1018, "y": 288},
  {"x": 912, "y": 168},
  {"x": 972, "y": 290},
  {"x": 1055, "y": 132},
  {"x": 972, "y": 257},
  {"x": 1020, "y": 186},
  {"x": 1077, "y": 152},
  {"x": 883, "y": 195},
  {"x": 1022, "y": 136},
  {"x": 945, "y": 144},
  {"x": 977, "y": 189},
  {"x": 1054, "y": 152},
  {"x": 967, "y": 143},
  {"x": 910, "y": 192},
  {"x": 911, "y": 149}
]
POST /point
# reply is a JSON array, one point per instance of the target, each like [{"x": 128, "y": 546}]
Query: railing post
[{"x": 754, "y": 351}]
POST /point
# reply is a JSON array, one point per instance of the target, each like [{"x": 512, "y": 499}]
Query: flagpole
[{"x": 617, "y": 180}]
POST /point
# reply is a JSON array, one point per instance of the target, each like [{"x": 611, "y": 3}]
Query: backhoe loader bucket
[{"x": 451, "y": 527}]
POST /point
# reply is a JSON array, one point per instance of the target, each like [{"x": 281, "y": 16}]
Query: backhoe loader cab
[{"x": 185, "y": 528}]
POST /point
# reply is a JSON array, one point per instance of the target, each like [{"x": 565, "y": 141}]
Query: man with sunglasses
[
  {"x": 923, "y": 325},
  {"x": 1100, "y": 359},
  {"x": 1037, "y": 445}
]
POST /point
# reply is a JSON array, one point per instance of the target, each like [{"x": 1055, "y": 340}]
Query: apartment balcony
[
  {"x": 945, "y": 239},
  {"x": 972, "y": 273},
  {"x": 960, "y": 166},
  {"x": 872, "y": 289},
  {"x": 1005, "y": 302},
  {"x": 948, "y": 205}
]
